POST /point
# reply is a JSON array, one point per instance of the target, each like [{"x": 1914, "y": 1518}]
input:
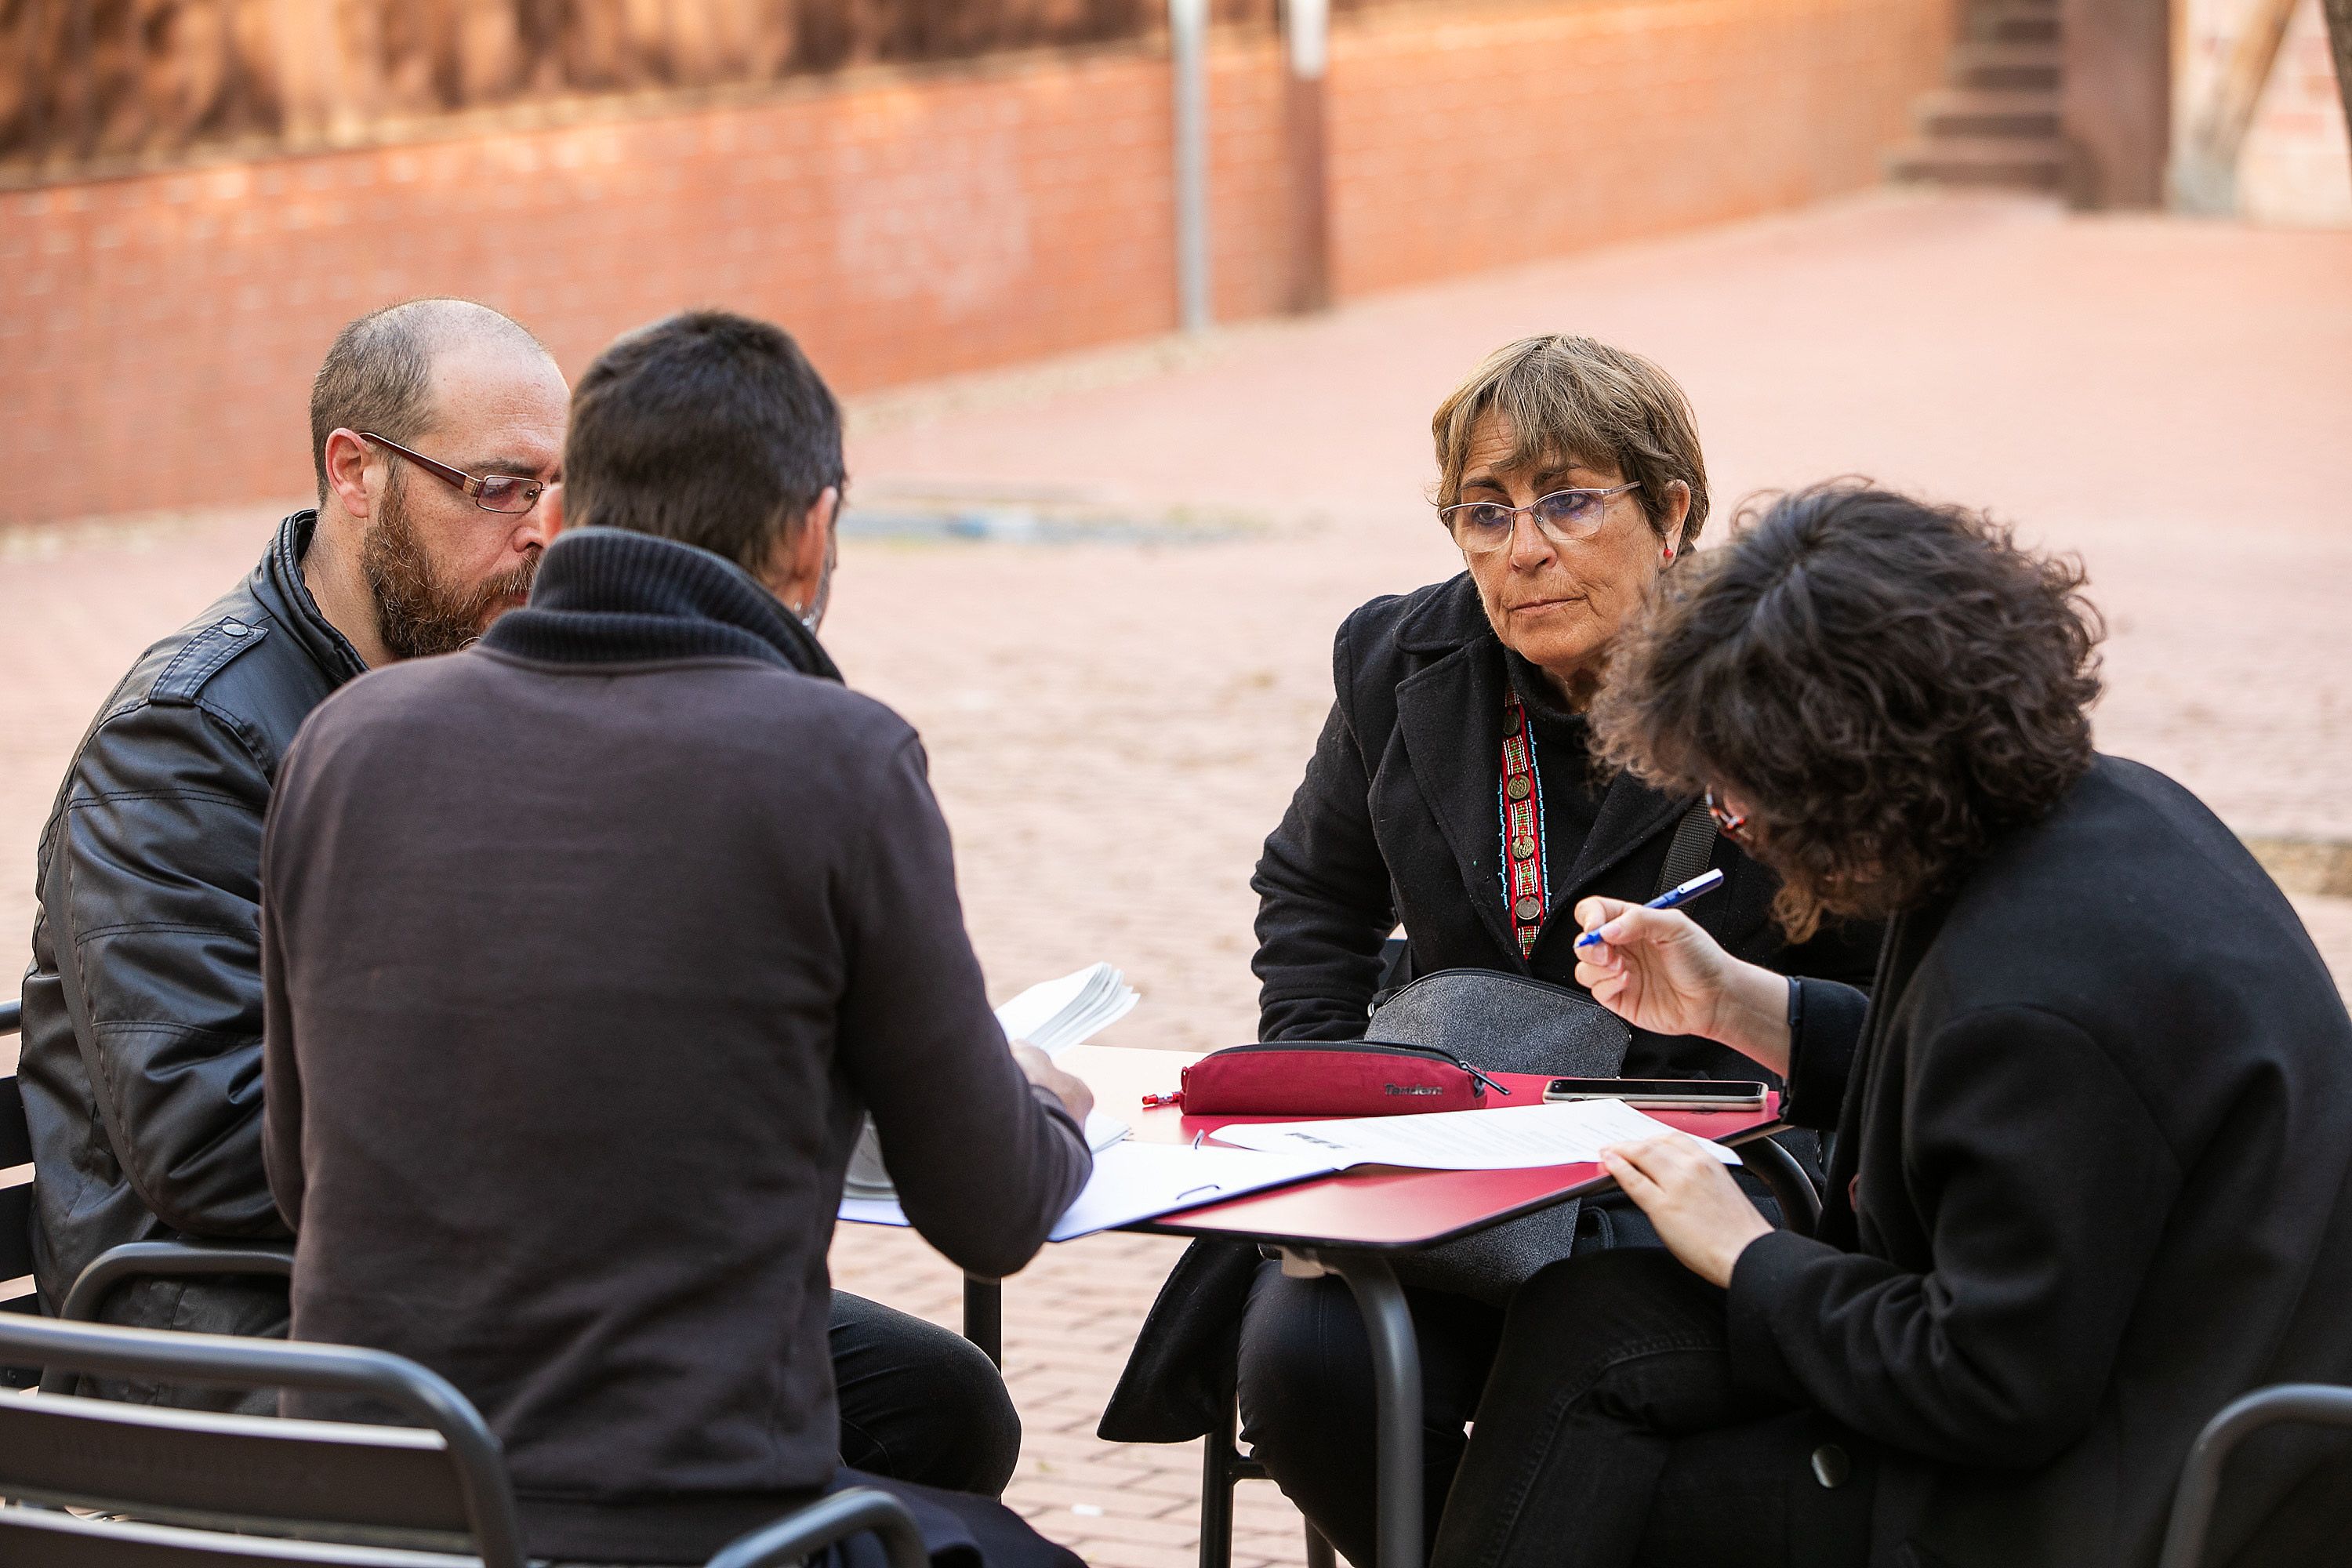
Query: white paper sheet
[
  {"x": 1507, "y": 1140},
  {"x": 1056, "y": 1015},
  {"x": 1134, "y": 1182}
]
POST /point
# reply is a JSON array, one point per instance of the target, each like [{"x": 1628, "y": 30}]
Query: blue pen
[{"x": 1704, "y": 882}]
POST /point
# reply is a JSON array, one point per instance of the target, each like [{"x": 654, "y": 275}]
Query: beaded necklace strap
[{"x": 1526, "y": 893}]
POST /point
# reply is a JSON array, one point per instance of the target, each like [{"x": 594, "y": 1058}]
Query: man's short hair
[
  {"x": 707, "y": 427},
  {"x": 1569, "y": 399},
  {"x": 377, "y": 375}
]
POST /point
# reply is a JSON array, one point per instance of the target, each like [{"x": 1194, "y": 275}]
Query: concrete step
[
  {"x": 2011, "y": 163},
  {"x": 2010, "y": 26},
  {"x": 1985, "y": 111},
  {"x": 2005, "y": 66}
]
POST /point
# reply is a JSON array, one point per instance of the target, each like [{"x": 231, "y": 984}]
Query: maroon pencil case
[{"x": 1330, "y": 1077}]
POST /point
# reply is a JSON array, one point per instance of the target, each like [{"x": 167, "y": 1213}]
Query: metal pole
[
  {"x": 983, "y": 1316},
  {"x": 1307, "y": 36},
  {"x": 1188, "y": 30},
  {"x": 1396, "y": 1377}
]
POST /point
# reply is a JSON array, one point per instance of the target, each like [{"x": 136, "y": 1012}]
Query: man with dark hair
[
  {"x": 142, "y": 1065},
  {"x": 611, "y": 930},
  {"x": 141, "y": 1062}
]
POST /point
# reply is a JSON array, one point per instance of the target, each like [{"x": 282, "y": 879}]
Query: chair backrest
[
  {"x": 183, "y": 1482},
  {"x": 15, "y": 1204}
]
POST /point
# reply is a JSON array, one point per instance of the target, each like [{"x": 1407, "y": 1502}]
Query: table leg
[
  {"x": 984, "y": 1317},
  {"x": 1396, "y": 1388}
]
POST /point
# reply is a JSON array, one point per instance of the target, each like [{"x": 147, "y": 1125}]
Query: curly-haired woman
[{"x": 2090, "y": 1181}]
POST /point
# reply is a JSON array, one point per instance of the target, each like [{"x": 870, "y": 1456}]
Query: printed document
[
  {"x": 1134, "y": 1182},
  {"x": 1507, "y": 1140}
]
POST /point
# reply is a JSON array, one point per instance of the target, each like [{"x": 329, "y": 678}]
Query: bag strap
[{"x": 1692, "y": 847}]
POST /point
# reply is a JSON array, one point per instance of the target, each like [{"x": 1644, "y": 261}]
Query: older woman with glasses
[{"x": 1452, "y": 792}]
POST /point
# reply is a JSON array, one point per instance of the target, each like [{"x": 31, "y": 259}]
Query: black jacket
[
  {"x": 2095, "y": 1139},
  {"x": 142, "y": 1064},
  {"x": 1395, "y": 821}
]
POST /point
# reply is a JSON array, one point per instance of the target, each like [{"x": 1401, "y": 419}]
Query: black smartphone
[{"x": 1663, "y": 1093}]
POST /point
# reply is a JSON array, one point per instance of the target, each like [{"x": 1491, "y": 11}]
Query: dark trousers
[
  {"x": 1614, "y": 1432},
  {"x": 919, "y": 1403},
  {"x": 1306, "y": 1405}
]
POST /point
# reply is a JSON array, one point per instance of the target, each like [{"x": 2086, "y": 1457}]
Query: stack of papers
[
  {"x": 1053, "y": 1016},
  {"x": 1059, "y": 1014}
]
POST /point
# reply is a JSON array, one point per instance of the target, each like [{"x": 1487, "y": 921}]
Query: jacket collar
[
  {"x": 1450, "y": 714},
  {"x": 278, "y": 587},
  {"x": 1450, "y": 618},
  {"x": 607, "y": 596}
]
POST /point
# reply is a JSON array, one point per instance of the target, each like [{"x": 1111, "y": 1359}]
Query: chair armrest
[
  {"x": 1799, "y": 1200},
  {"x": 11, "y": 1017},
  {"x": 2200, "y": 1478},
  {"x": 803, "y": 1534},
  {"x": 146, "y": 1260},
  {"x": 141, "y": 1259}
]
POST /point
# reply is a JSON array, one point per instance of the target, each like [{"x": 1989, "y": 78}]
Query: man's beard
[{"x": 416, "y": 613}]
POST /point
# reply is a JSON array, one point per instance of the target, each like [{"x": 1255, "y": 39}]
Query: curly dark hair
[{"x": 1888, "y": 686}]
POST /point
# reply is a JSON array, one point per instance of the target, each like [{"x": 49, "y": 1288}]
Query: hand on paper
[
  {"x": 1075, "y": 1097},
  {"x": 1701, "y": 1215},
  {"x": 1657, "y": 970}
]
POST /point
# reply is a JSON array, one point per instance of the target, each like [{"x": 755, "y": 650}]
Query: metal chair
[
  {"x": 2199, "y": 1490},
  {"x": 176, "y": 1488}
]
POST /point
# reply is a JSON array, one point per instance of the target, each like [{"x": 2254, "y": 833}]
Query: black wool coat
[
  {"x": 2092, "y": 1181},
  {"x": 1396, "y": 822}
]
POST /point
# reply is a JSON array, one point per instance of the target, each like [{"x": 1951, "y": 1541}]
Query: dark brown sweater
[{"x": 583, "y": 951}]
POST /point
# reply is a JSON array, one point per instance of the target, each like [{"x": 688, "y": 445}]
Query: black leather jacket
[{"x": 142, "y": 1064}]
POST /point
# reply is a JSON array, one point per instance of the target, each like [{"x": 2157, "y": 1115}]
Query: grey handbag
[{"x": 1511, "y": 1022}]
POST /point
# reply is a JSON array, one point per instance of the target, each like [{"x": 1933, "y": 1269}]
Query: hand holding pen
[
  {"x": 1657, "y": 970},
  {"x": 1653, "y": 968}
]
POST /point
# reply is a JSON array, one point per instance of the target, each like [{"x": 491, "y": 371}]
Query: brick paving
[{"x": 1113, "y": 727}]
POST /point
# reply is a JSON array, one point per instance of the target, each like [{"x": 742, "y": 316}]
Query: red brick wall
[
  {"x": 158, "y": 332},
  {"x": 1480, "y": 141}
]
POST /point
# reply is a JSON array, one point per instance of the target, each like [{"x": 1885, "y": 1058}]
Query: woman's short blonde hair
[{"x": 1569, "y": 399}]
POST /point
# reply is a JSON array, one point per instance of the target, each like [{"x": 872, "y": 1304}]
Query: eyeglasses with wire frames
[
  {"x": 491, "y": 492},
  {"x": 1566, "y": 517},
  {"x": 1733, "y": 823}
]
